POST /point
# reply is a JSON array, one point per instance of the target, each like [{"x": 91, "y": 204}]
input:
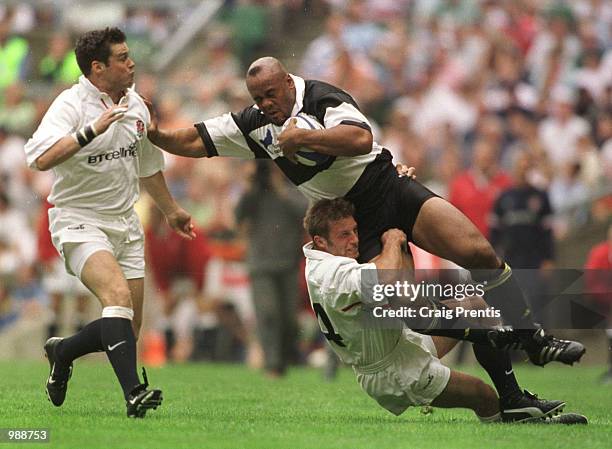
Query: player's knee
[
  {"x": 117, "y": 295},
  {"x": 481, "y": 255}
]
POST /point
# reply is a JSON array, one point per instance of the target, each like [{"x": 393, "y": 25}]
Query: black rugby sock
[
  {"x": 120, "y": 346},
  {"x": 88, "y": 340},
  {"x": 503, "y": 292},
  {"x": 499, "y": 367}
]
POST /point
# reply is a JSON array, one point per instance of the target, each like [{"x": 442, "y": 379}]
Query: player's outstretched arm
[
  {"x": 182, "y": 142},
  {"x": 178, "y": 218},
  {"x": 69, "y": 145}
]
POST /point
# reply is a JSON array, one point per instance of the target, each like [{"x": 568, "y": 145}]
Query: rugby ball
[{"x": 306, "y": 156}]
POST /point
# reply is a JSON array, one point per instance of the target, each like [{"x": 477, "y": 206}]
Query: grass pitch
[{"x": 224, "y": 406}]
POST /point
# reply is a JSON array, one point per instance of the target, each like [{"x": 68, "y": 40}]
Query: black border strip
[
  {"x": 355, "y": 123},
  {"x": 209, "y": 145}
]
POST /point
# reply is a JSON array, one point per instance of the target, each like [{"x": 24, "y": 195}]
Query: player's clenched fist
[
  {"x": 288, "y": 140},
  {"x": 394, "y": 237}
]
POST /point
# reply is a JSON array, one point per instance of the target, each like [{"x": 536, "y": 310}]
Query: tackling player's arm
[
  {"x": 70, "y": 144},
  {"x": 182, "y": 142},
  {"x": 393, "y": 252},
  {"x": 339, "y": 140}
]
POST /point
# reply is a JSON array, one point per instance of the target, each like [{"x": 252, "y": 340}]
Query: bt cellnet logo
[{"x": 122, "y": 152}]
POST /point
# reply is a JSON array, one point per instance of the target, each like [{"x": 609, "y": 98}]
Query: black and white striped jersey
[{"x": 249, "y": 134}]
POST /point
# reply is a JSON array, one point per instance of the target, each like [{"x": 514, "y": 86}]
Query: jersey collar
[
  {"x": 88, "y": 86},
  {"x": 311, "y": 253},
  {"x": 315, "y": 254},
  {"x": 95, "y": 92},
  {"x": 300, "y": 88}
]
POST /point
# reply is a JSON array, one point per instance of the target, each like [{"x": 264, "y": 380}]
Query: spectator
[
  {"x": 359, "y": 34},
  {"x": 475, "y": 190},
  {"x": 561, "y": 131},
  {"x": 404, "y": 144},
  {"x": 521, "y": 221},
  {"x": 599, "y": 266},
  {"x": 322, "y": 51},
  {"x": 59, "y": 65},
  {"x": 521, "y": 231},
  {"x": 22, "y": 316},
  {"x": 523, "y": 136},
  {"x": 266, "y": 212},
  {"x": 18, "y": 114},
  {"x": 15, "y": 252},
  {"x": 353, "y": 72},
  {"x": 179, "y": 269},
  {"x": 12, "y": 167},
  {"x": 248, "y": 21},
  {"x": 508, "y": 86},
  {"x": 590, "y": 163},
  {"x": 553, "y": 55},
  {"x": 569, "y": 196},
  {"x": 521, "y": 27},
  {"x": 14, "y": 52}
]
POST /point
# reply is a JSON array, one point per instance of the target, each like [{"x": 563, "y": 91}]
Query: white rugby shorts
[
  {"x": 122, "y": 236},
  {"x": 410, "y": 375}
]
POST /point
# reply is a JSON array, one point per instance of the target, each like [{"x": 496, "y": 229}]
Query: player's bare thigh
[
  {"x": 441, "y": 229},
  {"x": 102, "y": 274}
]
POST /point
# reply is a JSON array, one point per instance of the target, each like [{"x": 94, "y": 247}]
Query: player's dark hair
[
  {"x": 322, "y": 213},
  {"x": 96, "y": 46}
]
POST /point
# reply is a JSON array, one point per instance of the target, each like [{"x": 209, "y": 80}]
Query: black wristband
[
  {"x": 89, "y": 133},
  {"x": 81, "y": 138},
  {"x": 85, "y": 135}
]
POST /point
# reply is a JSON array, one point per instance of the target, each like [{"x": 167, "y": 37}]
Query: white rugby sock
[{"x": 118, "y": 312}]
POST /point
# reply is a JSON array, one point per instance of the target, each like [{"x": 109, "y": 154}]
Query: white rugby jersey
[
  {"x": 249, "y": 134},
  {"x": 335, "y": 290},
  {"x": 103, "y": 175}
]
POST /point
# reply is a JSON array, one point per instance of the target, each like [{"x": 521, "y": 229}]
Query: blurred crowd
[{"x": 481, "y": 96}]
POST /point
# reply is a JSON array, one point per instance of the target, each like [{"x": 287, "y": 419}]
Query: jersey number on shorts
[{"x": 331, "y": 334}]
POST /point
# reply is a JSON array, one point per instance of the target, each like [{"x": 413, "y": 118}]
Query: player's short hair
[
  {"x": 96, "y": 46},
  {"x": 324, "y": 212}
]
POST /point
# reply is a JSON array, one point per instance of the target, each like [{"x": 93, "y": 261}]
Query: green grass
[{"x": 223, "y": 406}]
